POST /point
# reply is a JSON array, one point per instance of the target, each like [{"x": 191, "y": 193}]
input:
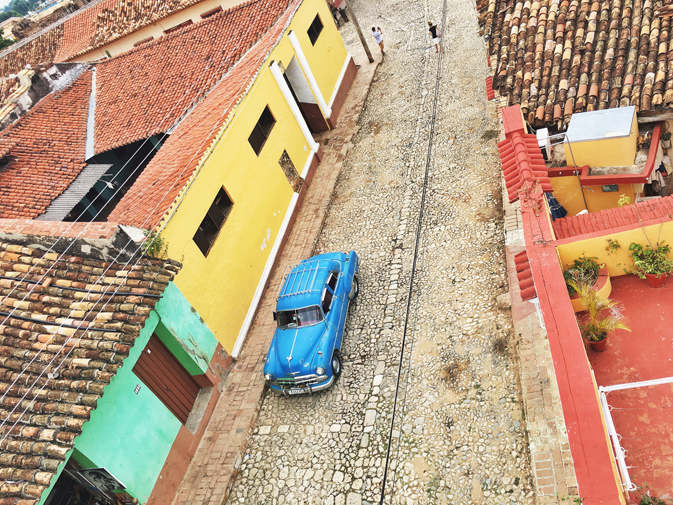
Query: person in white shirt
[{"x": 378, "y": 36}]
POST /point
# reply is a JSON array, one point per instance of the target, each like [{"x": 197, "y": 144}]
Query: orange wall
[{"x": 568, "y": 192}]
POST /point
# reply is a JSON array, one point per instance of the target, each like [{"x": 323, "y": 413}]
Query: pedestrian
[
  {"x": 378, "y": 36},
  {"x": 436, "y": 34}
]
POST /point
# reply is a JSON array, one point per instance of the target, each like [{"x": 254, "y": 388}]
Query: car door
[{"x": 331, "y": 306}]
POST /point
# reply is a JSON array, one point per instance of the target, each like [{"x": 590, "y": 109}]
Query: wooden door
[{"x": 163, "y": 374}]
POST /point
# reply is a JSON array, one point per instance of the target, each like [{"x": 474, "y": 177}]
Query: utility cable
[
  {"x": 23, "y": 279},
  {"x": 164, "y": 135},
  {"x": 415, "y": 260},
  {"x": 153, "y": 239}
]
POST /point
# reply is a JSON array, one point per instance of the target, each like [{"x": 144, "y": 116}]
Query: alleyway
[{"x": 459, "y": 435}]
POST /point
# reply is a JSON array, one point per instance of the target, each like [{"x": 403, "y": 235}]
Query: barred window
[
  {"x": 314, "y": 30},
  {"x": 212, "y": 224},
  {"x": 261, "y": 130}
]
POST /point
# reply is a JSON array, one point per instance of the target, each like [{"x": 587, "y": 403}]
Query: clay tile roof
[
  {"x": 170, "y": 170},
  {"x": 522, "y": 161},
  {"x": 53, "y": 412},
  {"x": 559, "y": 57},
  {"x": 91, "y": 27},
  {"x": 147, "y": 90},
  {"x": 524, "y": 276},
  {"x": 47, "y": 151},
  {"x": 606, "y": 220}
]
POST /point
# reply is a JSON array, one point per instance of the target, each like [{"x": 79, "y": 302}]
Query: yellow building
[
  {"x": 228, "y": 221},
  {"x": 204, "y": 135}
]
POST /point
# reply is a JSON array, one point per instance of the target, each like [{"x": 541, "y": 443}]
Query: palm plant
[{"x": 602, "y": 316}]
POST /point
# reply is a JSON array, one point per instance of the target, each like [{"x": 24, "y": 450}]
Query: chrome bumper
[{"x": 306, "y": 389}]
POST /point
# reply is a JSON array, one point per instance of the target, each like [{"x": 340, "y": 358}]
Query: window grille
[
  {"x": 212, "y": 224},
  {"x": 261, "y": 130},
  {"x": 314, "y": 30}
]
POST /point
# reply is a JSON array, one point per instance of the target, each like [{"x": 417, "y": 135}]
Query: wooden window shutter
[{"x": 163, "y": 374}]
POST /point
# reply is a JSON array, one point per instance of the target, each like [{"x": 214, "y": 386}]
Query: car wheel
[
  {"x": 336, "y": 364},
  {"x": 355, "y": 290}
]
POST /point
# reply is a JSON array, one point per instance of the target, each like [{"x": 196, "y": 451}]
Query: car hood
[{"x": 295, "y": 347}]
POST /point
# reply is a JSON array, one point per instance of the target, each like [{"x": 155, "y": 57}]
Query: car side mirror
[{"x": 275, "y": 316}]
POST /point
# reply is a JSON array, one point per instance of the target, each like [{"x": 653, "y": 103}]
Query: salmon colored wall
[
  {"x": 568, "y": 192},
  {"x": 221, "y": 286},
  {"x": 604, "y": 153},
  {"x": 156, "y": 30},
  {"x": 594, "y": 246}
]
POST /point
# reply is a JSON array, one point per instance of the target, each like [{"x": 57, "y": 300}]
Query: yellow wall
[
  {"x": 327, "y": 57},
  {"x": 156, "y": 30},
  {"x": 616, "y": 262},
  {"x": 568, "y": 192},
  {"x": 221, "y": 286},
  {"x": 604, "y": 153}
]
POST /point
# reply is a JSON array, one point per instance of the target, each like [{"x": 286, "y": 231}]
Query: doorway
[{"x": 310, "y": 110}]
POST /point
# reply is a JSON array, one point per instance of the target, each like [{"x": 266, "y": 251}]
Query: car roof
[{"x": 303, "y": 285}]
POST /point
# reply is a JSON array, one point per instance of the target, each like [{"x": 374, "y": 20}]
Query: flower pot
[
  {"x": 655, "y": 281},
  {"x": 599, "y": 346}
]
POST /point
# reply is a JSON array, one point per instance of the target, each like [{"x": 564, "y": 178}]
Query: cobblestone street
[{"x": 459, "y": 431}]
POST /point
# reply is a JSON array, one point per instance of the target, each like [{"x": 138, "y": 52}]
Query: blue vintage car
[{"x": 311, "y": 311}]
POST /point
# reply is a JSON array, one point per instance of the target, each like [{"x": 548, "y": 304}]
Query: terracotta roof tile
[
  {"x": 630, "y": 215},
  {"x": 170, "y": 170},
  {"x": 524, "y": 276},
  {"x": 522, "y": 160},
  {"x": 58, "y": 406},
  {"x": 89, "y": 28},
  {"x": 47, "y": 151},
  {"x": 147, "y": 90},
  {"x": 559, "y": 57}
]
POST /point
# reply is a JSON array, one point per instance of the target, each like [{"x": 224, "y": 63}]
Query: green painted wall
[
  {"x": 184, "y": 332},
  {"x": 131, "y": 434}
]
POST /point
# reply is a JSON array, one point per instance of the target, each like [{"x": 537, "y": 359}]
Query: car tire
[
  {"x": 336, "y": 364},
  {"x": 355, "y": 290}
]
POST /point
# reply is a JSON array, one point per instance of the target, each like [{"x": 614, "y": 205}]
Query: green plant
[
  {"x": 649, "y": 260},
  {"x": 602, "y": 316},
  {"x": 613, "y": 246},
  {"x": 155, "y": 245},
  {"x": 623, "y": 200},
  {"x": 584, "y": 270}
]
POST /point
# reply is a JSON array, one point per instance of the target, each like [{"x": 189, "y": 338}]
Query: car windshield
[{"x": 299, "y": 317}]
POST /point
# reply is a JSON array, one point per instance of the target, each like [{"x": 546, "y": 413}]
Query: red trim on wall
[
  {"x": 589, "y": 445},
  {"x": 490, "y": 94}
]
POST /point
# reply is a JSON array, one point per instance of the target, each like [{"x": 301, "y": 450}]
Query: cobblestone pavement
[{"x": 458, "y": 435}]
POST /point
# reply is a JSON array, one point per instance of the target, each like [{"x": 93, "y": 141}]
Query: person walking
[
  {"x": 436, "y": 34},
  {"x": 378, "y": 36}
]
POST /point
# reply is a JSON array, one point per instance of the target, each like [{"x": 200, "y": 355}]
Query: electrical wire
[
  {"x": 2, "y": 424},
  {"x": 164, "y": 135},
  {"x": 415, "y": 260}
]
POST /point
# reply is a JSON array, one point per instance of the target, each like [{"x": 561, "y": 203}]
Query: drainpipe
[{"x": 351, "y": 13}]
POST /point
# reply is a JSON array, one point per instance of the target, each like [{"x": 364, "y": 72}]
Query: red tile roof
[
  {"x": 139, "y": 94},
  {"x": 85, "y": 360},
  {"x": 172, "y": 167},
  {"x": 606, "y": 220},
  {"x": 524, "y": 276},
  {"x": 147, "y": 90},
  {"x": 110, "y": 20},
  {"x": 490, "y": 94},
  {"x": 89, "y": 28},
  {"x": 522, "y": 161},
  {"x": 47, "y": 148},
  {"x": 99, "y": 230},
  {"x": 556, "y": 58}
]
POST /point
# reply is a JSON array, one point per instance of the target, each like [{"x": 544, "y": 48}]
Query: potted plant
[
  {"x": 652, "y": 264},
  {"x": 600, "y": 319},
  {"x": 586, "y": 270}
]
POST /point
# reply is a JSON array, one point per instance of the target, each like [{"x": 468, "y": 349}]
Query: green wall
[{"x": 131, "y": 434}]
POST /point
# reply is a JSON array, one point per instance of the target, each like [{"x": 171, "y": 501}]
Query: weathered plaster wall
[
  {"x": 221, "y": 286},
  {"x": 129, "y": 433}
]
